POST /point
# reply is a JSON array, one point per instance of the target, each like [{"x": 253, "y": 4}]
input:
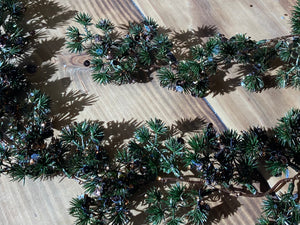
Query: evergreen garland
[
  {"x": 223, "y": 162},
  {"x": 282, "y": 209},
  {"x": 116, "y": 59},
  {"x": 296, "y": 18},
  {"x": 121, "y": 60}
]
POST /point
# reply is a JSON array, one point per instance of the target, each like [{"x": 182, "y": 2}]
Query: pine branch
[{"x": 295, "y": 19}]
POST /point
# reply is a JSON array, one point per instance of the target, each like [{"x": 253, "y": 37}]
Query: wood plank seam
[{"x": 205, "y": 100}]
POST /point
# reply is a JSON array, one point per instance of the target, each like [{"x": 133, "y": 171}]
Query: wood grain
[
  {"x": 237, "y": 107},
  {"x": 36, "y": 202},
  {"x": 76, "y": 97}
]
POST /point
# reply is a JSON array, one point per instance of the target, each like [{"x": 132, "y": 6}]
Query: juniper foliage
[
  {"x": 123, "y": 59},
  {"x": 115, "y": 58},
  {"x": 282, "y": 209},
  {"x": 223, "y": 162}
]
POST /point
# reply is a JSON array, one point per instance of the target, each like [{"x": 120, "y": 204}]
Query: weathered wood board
[
  {"x": 259, "y": 19},
  {"x": 76, "y": 97}
]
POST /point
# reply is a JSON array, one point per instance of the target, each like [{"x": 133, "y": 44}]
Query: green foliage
[
  {"x": 253, "y": 141},
  {"x": 13, "y": 42},
  {"x": 193, "y": 75},
  {"x": 82, "y": 209},
  {"x": 198, "y": 216},
  {"x": 282, "y": 209},
  {"x": 220, "y": 161},
  {"x": 74, "y": 46},
  {"x": 151, "y": 152},
  {"x": 124, "y": 59},
  {"x": 118, "y": 59},
  {"x": 156, "y": 214},
  {"x": 105, "y": 25},
  {"x": 12, "y": 38},
  {"x": 150, "y": 24},
  {"x": 287, "y": 143},
  {"x": 83, "y": 135},
  {"x": 288, "y": 51},
  {"x": 154, "y": 197},
  {"x": 288, "y": 130},
  {"x": 170, "y": 207},
  {"x": 253, "y": 82},
  {"x": 295, "y": 19},
  {"x": 25, "y": 114},
  {"x": 83, "y": 19},
  {"x": 217, "y": 158},
  {"x": 276, "y": 166},
  {"x": 157, "y": 126}
]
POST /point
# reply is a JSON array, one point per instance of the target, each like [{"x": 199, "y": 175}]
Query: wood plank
[
  {"x": 37, "y": 202},
  {"x": 76, "y": 97},
  {"x": 237, "y": 108}
]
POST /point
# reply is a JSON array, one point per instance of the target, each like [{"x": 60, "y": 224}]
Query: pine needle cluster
[
  {"x": 223, "y": 162},
  {"x": 295, "y": 20},
  {"x": 115, "y": 58},
  {"x": 12, "y": 43},
  {"x": 289, "y": 74},
  {"x": 282, "y": 209},
  {"x": 193, "y": 75},
  {"x": 12, "y": 37},
  {"x": 122, "y": 59},
  {"x": 170, "y": 207}
]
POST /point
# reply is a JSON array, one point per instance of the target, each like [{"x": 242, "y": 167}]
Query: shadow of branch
[
  {"x": 185, "y": 39},
  {"x": 185, "y": 125},
  {"x": 229, "y": 205},
  {"x": 40, "y": 16},
  {"x": 71, "y": 103},
  {"x": 219, "y": 85},
  {"x": 117, "y": 133}
]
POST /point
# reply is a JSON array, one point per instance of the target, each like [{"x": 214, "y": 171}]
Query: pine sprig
[
  {"x": 171, "y": 207},
  {"x": 143, "y": 48},
  {"x": 154, "y": 197},
  {"x": 288, "y": 130},
  {"x": 156, "y": 215},
  {"x": 295, "y": 19},
  {"x": 167, "y": 77},
  {"x": 119, "y": 59},
  {"x": 105, "y": 25},
  {"x": 83, "y": 19},
  {"x": 283, "y": 209}
]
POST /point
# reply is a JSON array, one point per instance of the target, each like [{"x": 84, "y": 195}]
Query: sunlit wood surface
[
  {"x": 260, "y": 19},
  {"x": 76, "y": 97}
]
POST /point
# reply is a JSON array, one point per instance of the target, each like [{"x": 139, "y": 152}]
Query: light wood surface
[
  {"x": 236, "y": 107},
  {"x": 36, "y": 202},
  {"x": 76, "y": 97},
  {"x": 259, "y": 19}
]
